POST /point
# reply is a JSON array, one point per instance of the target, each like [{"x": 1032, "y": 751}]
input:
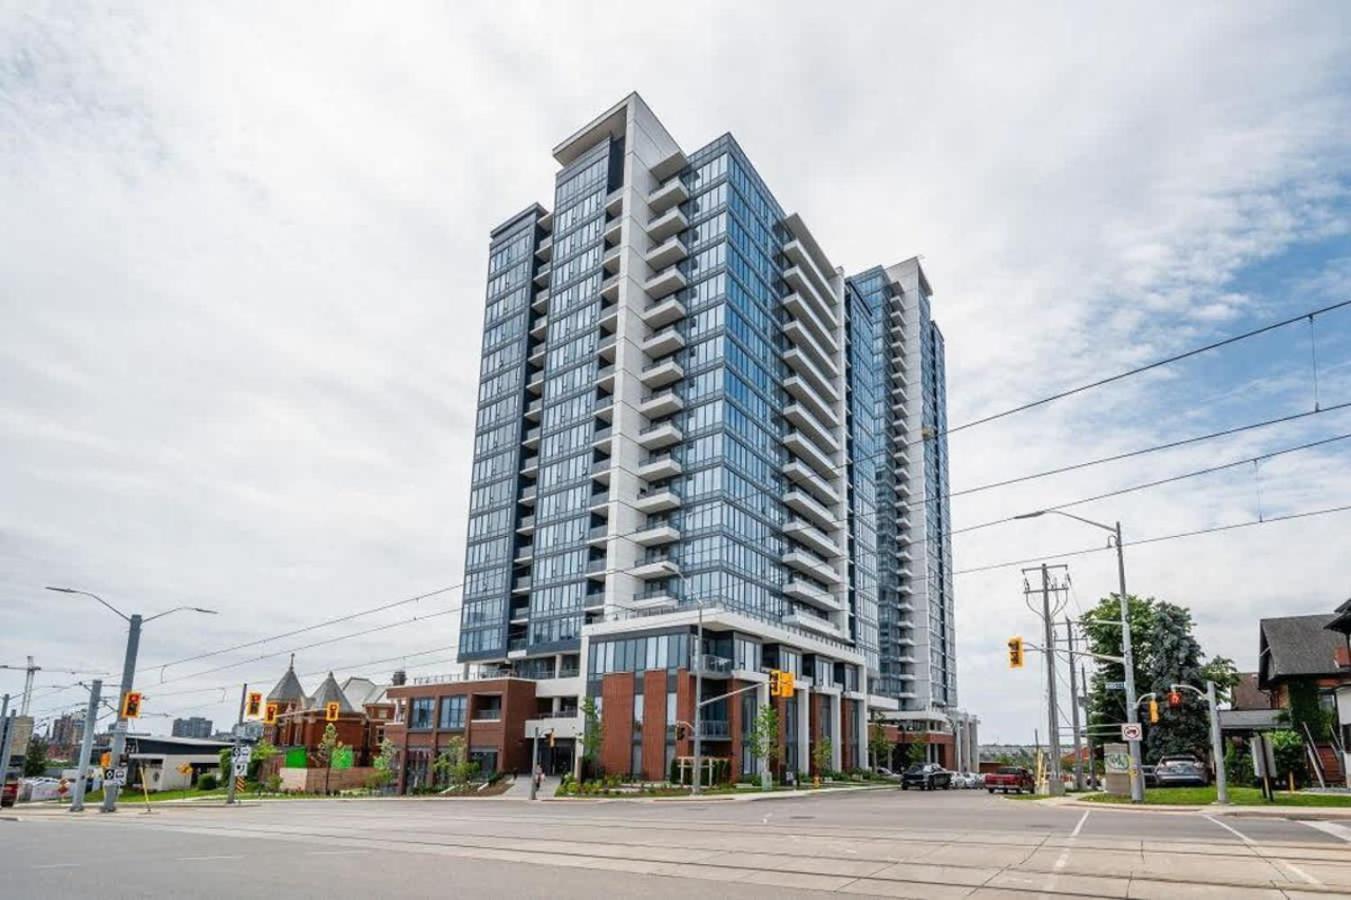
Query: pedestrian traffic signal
[
  {"x": 1174, "y": 699},
  {"x": 131, "y": 705},
  {"x": 331, "y": 710},
  {"x": 254, "y": 707},
  {"x": 1153, "y": 711},
  {"x": 1015, "y": 653},
  {"x": 270, "y": 714}
]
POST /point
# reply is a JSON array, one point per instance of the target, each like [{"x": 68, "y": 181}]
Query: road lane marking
[
  {"x": 1232, "y": 830},
  {"x": 332, "y": 852},
  {"x": 204, "y": 858},
  {"x": 1271, "y": 860},
  {"x": 1332, "y": 828},
  {"x": 59, "y": 866},
  {"x": 1080, "y": 827}
]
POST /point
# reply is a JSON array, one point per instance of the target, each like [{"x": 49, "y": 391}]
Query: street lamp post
[
  {"x": 134, "y": 623},
  {"x": 698, "y": 693},
  {"x": 1128, "y": 657}
]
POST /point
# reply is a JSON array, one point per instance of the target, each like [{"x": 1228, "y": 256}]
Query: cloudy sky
[{"x": 242, "y": 268}]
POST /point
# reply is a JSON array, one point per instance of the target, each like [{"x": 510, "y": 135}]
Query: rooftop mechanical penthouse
[{"x": 687, "y": 411}]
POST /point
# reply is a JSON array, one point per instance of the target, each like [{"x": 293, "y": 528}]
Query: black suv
[{"x": 926, "y": 777}]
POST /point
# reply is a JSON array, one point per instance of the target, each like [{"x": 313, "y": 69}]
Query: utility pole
[
  {"x": 1054, "y": 786},
  {"x": 1088, "y": 733},
  {"x": 6, "y": 739},
  {"x": 86, "y": 745},
  {"x": 28, "y": 687},
  {"x": 1217, "y": 745},
  {"x": 698, "y": 697},
  {"x": 1074, "y": 710},
  {"x": 1137, "y": 773},
  {"x": 234, "y": 754},
  {"x": 534, "y": 764}
]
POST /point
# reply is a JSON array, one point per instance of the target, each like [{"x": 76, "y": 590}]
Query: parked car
[
  {"x": 926, "y": 777},
  {"x": 1151, "y": 777},
  {"x": 1181, "y": 773},
  {"x": 38, "y": 789},
  {"x": 887, "y": 773},
  {"x": 969, "y": 780},
  {"x": 9, "y": 794},
  {"x": 1010, "y": 778}
]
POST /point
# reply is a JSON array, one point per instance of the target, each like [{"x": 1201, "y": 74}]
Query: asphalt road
[{"x": 878, "y": 843}]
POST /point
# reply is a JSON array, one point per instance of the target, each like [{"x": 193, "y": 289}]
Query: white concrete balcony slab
[
  {"x": 541, "y": 302},
  {"x": 804, "y": 421},
  {"x": 605, "y": 378},
  {"x": 812, "y": 623},
  {"x": 605, "y": 348},
  {"x": 614, "y": 231},
  {"x": 537, "y": 355},
  {"x": 824, "y": 333},
  {"x": 540, "y": 328},
  {"x": 657, "y": 500},
  {"x": 671, "y": 193},
  {"x": 811, "y": 565},
  {"x": 663, "y": 312},
  {"x": 663, "y": 434},
  {"x": 530, "y": 466},
  {"x": 804, "y": 286},
  {"x": 614, "y": 201},
  {"x": 651, "y": 602},
  {"x": 667, "y": 253},
  {"x": 542, "y": 274},
  {"x": 824, "y": 384},
  {"x": 810, "y": 536},
  {"x": 609, "y": 317},
  {"x": 803, "y": 448},
  {"x": 905, "y": 588},
  {"x": 805, "y": 476},
  {"x": 669, "y": 165},
  {"x": 661, "y": 403},
  {"x": 806, "y": 506},
  {"x": 609, "y": 288},
  {"x": 659, "y": 568},
  {"x": 531, "y": 439},
  {"x": 657, "y": 535},
  {"x": 801, "y": 336},
  {"x": 662, "y": 342},
  {"x": 797, "y": 253},
  {"x": 546, "y": 247},
  {"x": 610, "y": 261},
  {"x": 667, "y": 281},
  {"x": 661, "y": 373},
  {"x": 660, "y": 466},
  {"x": 671, "y": 222},
  {"x": 800, "y": 390},
  {"x": 906, "y": 572},
  {"x": 805, "y": 592}
]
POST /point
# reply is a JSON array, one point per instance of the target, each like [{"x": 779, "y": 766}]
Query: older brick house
[{"x": 363, "y": 714}]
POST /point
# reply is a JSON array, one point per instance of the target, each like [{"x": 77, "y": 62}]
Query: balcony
[
  {"x": 604, "y": 408},
  {"x": 661, "y": 403},
  {"x": 531, "y": 439},
  {"x": 824, "y": 332},
  {"x": 805, "y": 476},
  {"x": 671, "y": 222},
  {"x": 605, "y": 348},
  {"x": 545, "y": 248},
  {"x": 671, "y": 193},
  {"x": 598, "y": 534},
  {"x": 613, "y": 231},
  {"x": 603, "y": 436},
  {"x": 801, "y": 259},
  {"x": 663, "y": 312},
  {"x": 527, "y": 525},
  {"x": 521, "y": 585},
  {"x": 805, "y": 394},
  {"x": 656, "y": 566},
  {"x": 807, "y": 423},
  {"x": 524, "y": 554},
  {"x": 812, "y": 565},
  {"x": 541, "y": 302},
  {"x": 800, "y": 446},
  {"x": 654, "y": 599},
  {"x": 528, "y": 495},
  {"x": 663, "y": 341},
  {"x": 809, "y": 622},
  {"x": 662, "y": 434},
  {"x": 796, "y": 360},
  {"x": 605, "y": 378},
  {"x": 540, "y": 328},
  {"x": 598, "y": 500},
  {"x": 609, "y": 288},
  {"x": 662, "y": 372},
  {"x": 542, "y": 274},
  {"x": 536, "y": 383},
  {"x": 534, "y": 408},
  {"x": 516, "y": 648},
  {"x": 806, "y": 506},
  {"x": 609, "y": 316},
  {"x": 537, "y": 355},
  {"x": 596, "y": 568},
  {"x": 530, "y": 466},
  {"x": 610, "y": 261},
  {"x": 667, "y": 253},
  {"x": 667, "y": 281},
  {"x": 655, "y": 500},
  {"x": 520, "y": 614},
  {"x": 821, "y": 302},
  {"x": 806, "y": 592},
  {"x": 810, "y": 536},
  {"x": 712, "y": 729},
  {"x": 659, "y": 466},
  {"x": 802, "y": 337},
  {"x": 656, "y": 534},
  {"x": 614, "y": 201}
]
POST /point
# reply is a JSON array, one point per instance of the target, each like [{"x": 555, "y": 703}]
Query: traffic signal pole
[
  {"x": 1054, "y": 786},
  {"x": 234, "y": 753},
  {"x": 119, "y": 745},
  {"x": 86, "y": 745},
  {"x": 1074, "y": 711}
]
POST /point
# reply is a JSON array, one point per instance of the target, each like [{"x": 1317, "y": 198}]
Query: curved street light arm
[{"x": 66, "y": 590}]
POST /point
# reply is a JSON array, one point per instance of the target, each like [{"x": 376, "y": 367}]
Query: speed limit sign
[{"x": 1132, "y": 731}]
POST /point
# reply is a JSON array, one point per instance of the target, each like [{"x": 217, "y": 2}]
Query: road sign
[
  {"x": 185, "y": 769},
  {"x": 241, "y": 760},
  {"x": 1132, "y": 731},
  {"x": 115, "y": 776},
  {"x": 1116, "y": 685}
]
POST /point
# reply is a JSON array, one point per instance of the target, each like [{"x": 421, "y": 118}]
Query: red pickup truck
[{"x": 1010, "y": 778}]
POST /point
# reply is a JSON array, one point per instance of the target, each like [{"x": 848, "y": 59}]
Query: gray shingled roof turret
[
  {"x": 288, "y": 688},
  {"x": 329, "y": 692}
]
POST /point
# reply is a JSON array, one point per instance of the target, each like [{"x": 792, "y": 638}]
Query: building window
[
  {"x": 452, "y": 712},
  {"x": 486, "y": 757},
  {"x": 420, "y": 714},
  {"x": 637, "y": 710},
  {"x": 488, "y": 709}
]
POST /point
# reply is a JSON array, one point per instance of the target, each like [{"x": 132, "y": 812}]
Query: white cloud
[{"x": 242, "y": 278}]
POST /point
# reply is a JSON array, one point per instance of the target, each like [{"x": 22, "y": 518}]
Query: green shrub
[{"x": 207, "y": 782}]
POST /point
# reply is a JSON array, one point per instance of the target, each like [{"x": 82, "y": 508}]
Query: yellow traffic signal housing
[
  {"x": 774, "y": 675},
  {"x": 331, "y": 710},
  {"x": 253, "y": 708},
  {"x": 1016, "y": 659},
  {"x": 1153, "y": 711},
  {"x": 786, "y": 686},
  {"x": 270, "y": 714},
  {"x": 1174, "y": 699},
  {"x": 131, "y": 705}
]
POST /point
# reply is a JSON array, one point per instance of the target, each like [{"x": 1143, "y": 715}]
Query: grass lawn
[
  {"x": 1242, "y": 796},
  {"x": 131, "y": 795}
]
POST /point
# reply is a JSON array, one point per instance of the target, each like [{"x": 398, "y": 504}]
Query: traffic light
[
  {"x": 774, "y": 676},
  {"x": 331, "y": 710},
  {"x": 254, "y": 707},
  {"x": 1174, "y": 699},
  {"x": 1153, "y": 711},
  {"x": 131, "y": 705},
  {"x": 1015, "y": 653},
  {"x": 786, "y": 687},
  {"x": 270, "y": 714}
]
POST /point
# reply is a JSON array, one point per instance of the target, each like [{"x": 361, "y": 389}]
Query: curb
[
  {"x": 747, "y": 797},
  {"x": 1255, "y": 812}
]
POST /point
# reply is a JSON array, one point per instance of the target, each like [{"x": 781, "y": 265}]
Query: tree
[
  {"x": 822, "y": 754},
  {"x": 35, "y": 759},
  {"x": 1101, "y": 626},
  {"x": 453, "y": 763},
  {"x": 384, "y": 765},
  {"x": 262, "y": 752},
  {"x": 593, "y": 734},
  {"x": 329, "y": 745},
  {"x": 764, "y": 739},
  {"x": 1288, "y": 748},
  {"x": 919, "y": 749},
  {"x": 879, "y": 745}
]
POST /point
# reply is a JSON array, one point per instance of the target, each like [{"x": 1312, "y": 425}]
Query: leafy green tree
[
  {"x": 453, "y": 763},
  {"x": 879, "y": 745},
  {"x": 822, "y": 754},
  {"x": 383, "y": 764},
  {"x": 1101, "y": 627},
  {"x": 328, "y": 747},
  {"x": 35, "y": 759},
  {"x": 918, "y": 751},
  {"x": 1306, "y": 712},
  {"x": 593, "y": 734},
  {"x": 263, "y": 751},
  {"x": 1288, "y": 748},
  {"x": 764, "y": 739}
]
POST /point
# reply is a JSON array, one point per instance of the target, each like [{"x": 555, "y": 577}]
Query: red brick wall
[
  {"x": 847, "y": 729},
  {"x": 654, "y": 725},
  {"x": 734, "y": 723},
  {"x": 685, "y": 710},
  {"x": 616, "y": 691}
]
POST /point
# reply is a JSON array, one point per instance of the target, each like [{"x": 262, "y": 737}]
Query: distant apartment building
[
  {"x": 195, "y": 727},
  {"x": 65, "y": 734},
  {"x": 690, "y": 421}
]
